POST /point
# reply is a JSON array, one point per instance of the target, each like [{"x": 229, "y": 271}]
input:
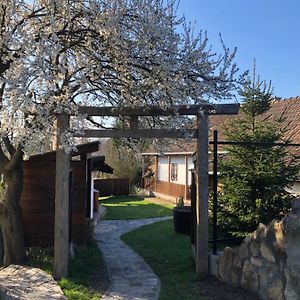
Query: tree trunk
[{"x": 11, "y": 216}]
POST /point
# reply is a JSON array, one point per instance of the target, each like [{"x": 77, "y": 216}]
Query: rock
[
  {"x": 292, "y": 275},
  {"x": 257, "y": 262},
  {"x": 249, "y": 277},
  {"x": 275, "y": 291},
  {"x": 243, "y": 251},
  {"x": 292, "y": 268},
  {"x": 296, "y": 205},
  {"x": 260, "y": 232},
  {"x": 225, "y": 264},
  {"x": 266, "y": 252},
  {"x": 279, "y": 237},
  {"x": 20, "y": 282},
  {"x": 235, "y": 277},
  {"x": 254, "y": 248},
  {"x": 268, "y": 273},
  {"x": 237, "y": 262}
]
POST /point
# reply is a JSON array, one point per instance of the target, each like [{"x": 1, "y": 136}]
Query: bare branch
[
  {"x": 9, "y": 146},
  {"x": 15, "y": 160}
]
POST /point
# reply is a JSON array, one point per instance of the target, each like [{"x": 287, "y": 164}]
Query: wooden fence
[{"x": 112, "y": 186}]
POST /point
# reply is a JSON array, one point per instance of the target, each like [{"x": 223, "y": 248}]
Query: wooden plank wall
[
  {"x": 171, "y": 189},
  {"x": 112, "y": 186},
  {"x": 38, "y": 202}
]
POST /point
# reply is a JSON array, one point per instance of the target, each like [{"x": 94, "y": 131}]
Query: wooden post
[
  {"x": 61, "y": 231},
  {"x": 156, "y": 172},
  {"x": 169, "y": 168},
  {"x": 134, "y": 122},
  {"x": 186, "y": 188},
  {"x": 202, "y": 198}
]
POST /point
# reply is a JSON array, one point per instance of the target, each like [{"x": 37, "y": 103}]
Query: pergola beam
[
  {"x": 187, "y": 110},
  {"x": 61, "y": 238},
  {"x": 141, "y": 133}
]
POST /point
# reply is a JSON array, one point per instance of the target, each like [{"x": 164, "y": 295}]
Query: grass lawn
[
  {"x": 169, "y": 256},
  {"x": 133, "y": 207},
  {"x": 80, "y": 283}
]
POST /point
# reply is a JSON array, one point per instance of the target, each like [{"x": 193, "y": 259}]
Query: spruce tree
[{"x": 255, "y": 175}]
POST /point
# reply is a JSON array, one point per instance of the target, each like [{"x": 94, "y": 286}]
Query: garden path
[{"x": 130, "y": 276}]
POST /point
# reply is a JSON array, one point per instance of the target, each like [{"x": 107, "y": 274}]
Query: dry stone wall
[{"x": 268, "y": 261}]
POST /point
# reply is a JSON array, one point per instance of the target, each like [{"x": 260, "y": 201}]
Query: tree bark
[{"x": 11, "y": 215}]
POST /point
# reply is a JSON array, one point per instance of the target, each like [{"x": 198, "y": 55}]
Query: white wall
[
  {"x": 180, "y": 161},
  {"x": 190, "y": 167},
  {"x": 163, "y": 168}
]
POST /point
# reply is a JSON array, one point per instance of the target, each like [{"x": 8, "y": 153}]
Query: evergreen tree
[{"x": 254, "y": 177}]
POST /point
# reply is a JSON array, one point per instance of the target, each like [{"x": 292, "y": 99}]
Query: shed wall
[{"x": 38, "y": 202}]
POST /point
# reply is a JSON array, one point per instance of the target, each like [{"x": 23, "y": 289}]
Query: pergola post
[
  {"x": 202, "y": 198},
  {"x": 61, "y": 230}
]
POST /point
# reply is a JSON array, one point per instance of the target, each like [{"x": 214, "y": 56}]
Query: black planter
[{"x": 182, "y": 216}]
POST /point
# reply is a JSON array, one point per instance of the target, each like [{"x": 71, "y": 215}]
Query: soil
[
  {"x": 213, "y": 289},
  {"x": 159, "y": 200},
  {"x": 209, "y": 289},
  {"x": 99, "y": 280}
]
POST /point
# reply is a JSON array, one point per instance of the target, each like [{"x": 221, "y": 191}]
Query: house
[
  {"x": 38, "y": 196},
  {"x": 168, "y": 174}
]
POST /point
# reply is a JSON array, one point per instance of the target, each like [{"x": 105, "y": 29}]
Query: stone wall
[{"x": 268, "y": 261}]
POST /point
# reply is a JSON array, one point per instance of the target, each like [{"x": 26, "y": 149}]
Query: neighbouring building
[{"x": 168, "y": 173}]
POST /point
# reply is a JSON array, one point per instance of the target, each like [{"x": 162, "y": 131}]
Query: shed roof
[
  {"x": 81, "y": 150},
  {"x": 98, "y": 164}
]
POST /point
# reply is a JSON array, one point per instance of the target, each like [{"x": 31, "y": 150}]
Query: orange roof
[{"x": 289, "y": 108}]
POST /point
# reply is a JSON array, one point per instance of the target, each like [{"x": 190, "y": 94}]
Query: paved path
[{"x": 130, "y": 276}]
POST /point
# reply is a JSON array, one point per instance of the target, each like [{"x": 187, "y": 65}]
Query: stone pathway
[{"x": 130, "y": 276}]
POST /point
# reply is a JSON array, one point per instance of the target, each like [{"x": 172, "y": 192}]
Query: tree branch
[
  {"x": 15, "y": 160},
  {"x": 9, "y": 146},
  {"x": 3, "y": 158}
]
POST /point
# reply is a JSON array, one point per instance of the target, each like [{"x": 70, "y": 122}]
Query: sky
[{"x": 265, "y": 30}]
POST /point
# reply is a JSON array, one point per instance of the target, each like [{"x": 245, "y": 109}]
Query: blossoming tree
[{"x": 56, "y": 55}]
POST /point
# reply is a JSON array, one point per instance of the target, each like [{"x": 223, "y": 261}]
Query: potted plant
[{"x": 182, "y": 216}]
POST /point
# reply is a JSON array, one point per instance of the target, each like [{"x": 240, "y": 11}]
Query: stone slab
[{"x": 21, "y": 282}]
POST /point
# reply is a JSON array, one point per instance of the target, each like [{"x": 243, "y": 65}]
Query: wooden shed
[{"x": 38, "y": 197}]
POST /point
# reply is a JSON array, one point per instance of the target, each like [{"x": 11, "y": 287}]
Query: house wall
[
  {"x": 163, "y": 168},
  {"x": 164, "y": 185},
  {"x": 190, "y": 167},
  {"x": 181, "y": 176}
]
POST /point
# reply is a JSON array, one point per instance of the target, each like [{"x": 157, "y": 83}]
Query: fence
[{"x": 112, "y": 186}]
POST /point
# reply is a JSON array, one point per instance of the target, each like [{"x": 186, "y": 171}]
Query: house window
[{"x": 174, "y": 172}]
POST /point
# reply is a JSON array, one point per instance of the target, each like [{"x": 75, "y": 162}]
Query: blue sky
[{"x": 267, "y": 30}]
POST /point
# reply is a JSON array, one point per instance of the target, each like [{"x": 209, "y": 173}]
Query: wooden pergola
[{"x": 202, "y": 111}]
